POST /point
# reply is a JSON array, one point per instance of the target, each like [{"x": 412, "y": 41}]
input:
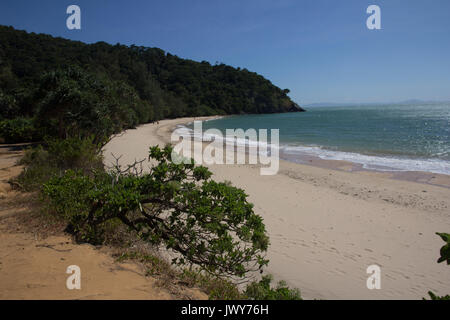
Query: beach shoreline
[
  {"x": 437, "y": 179},
  {"x": 328, "y": 224}
]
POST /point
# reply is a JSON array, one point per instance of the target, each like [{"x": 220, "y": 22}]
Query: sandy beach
[{"x": 327, "y": 224}]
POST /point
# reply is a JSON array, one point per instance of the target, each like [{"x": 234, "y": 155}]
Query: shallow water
[{"x": 380, "y": 137}]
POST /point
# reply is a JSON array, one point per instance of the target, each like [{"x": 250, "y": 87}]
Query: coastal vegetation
[
  {"x": 60, "y": 81},
  {"x": 210, "y": 226},
  {"x": 70, "y": 98},
  {"x": 444, "y": 257},
  {"x": 445, "y": 250}
]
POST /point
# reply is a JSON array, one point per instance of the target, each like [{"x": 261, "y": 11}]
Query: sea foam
[{"x": 296, "y": 153}]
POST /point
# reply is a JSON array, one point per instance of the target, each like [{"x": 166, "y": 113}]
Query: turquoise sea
[{"x": 397, "y": 137}]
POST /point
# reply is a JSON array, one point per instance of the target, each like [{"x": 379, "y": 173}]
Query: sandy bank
[{"x": 33, "y": 265}]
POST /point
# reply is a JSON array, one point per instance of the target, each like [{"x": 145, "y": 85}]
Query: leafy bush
[
  {"x": 76, "y": 153},
  {"x": 8, "y": 104},
  {"x": 435, "y": 297},
  {"x": 209, "y": 224},
  {"x": 445, "y": 256},
  {"x": 43, "y": 163},
  {"x": 263, "y": 291},
  {"x": 18, "y": 130},
  {"x": 37, "y": 170},
  {"x": 445, "y": 250}
]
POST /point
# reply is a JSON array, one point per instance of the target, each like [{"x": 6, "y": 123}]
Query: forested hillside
[{"x": 159, "y": 85}]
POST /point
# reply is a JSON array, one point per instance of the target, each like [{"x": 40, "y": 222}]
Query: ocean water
[{"x": 379, "y": 137}]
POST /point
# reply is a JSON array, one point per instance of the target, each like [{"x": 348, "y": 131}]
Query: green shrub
[
  {"x": 445, "y": 256},
  {"x": 38, "y": 169},
  {"x": 18, "y": 130},
  {"x": 75, "y": 153},
  {"x": 59, "y": 155},
  {"x": 263, "y": 291},
  {"x": 435, "y": 297},
  {"x": 209, "y": 224},
  {"x": 70, "y": 199},
  {"x": 445, "y": 250},
  {"x": 8, "y": 103}
]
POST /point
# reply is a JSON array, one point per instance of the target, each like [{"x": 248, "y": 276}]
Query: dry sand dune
[{"x": 327, "y": 226}]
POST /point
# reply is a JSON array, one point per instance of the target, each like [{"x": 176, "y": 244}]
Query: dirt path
[{"x": 33, "y": 266}]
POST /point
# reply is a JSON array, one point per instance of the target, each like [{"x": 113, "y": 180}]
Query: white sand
[{"x": 327, "y": 226}]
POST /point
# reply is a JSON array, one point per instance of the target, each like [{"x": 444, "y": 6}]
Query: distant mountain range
[{"x": 342, "y": 104}]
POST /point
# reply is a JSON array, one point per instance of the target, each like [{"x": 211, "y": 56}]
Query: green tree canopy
[
  {"x": 174, "y": 87},
  {"x": 74, "y": 103}
]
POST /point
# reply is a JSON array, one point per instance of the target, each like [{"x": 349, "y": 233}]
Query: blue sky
[{"x": 320, "y": 49}]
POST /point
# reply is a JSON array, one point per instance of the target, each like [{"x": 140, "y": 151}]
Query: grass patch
[
  {"x": 263, "y": 290},
  {"x": 53, "y": 158},
  {"x": 215, "y": 288},
  {"x": 436, "y": 297}
]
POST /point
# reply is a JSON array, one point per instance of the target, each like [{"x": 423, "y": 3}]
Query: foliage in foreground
[
  {"x": 435, "y": 297},
  {"x": 262, "y": 290},
  {"x": 74, "y": 161},
  {"x": 209, "y": 224},
  {"x": 59, "y": 158},
  {"x": 445, "y": 250},
  {"x": 445, "y": 256},
  {"x": 216, "y": 288}
]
